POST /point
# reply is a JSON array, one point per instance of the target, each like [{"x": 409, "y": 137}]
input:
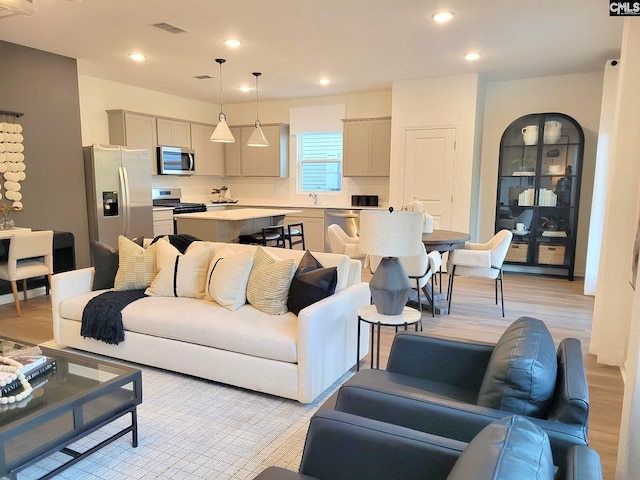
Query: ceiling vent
[
  {"x": 18, "y": 7},
  {"x": 168, "y": 27},
  {"x": 203, "y": 77}
]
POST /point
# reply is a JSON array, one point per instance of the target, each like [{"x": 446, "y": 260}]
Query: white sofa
[{"x": 290, "y": 356}]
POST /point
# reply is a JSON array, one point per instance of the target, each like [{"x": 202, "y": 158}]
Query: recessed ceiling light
[
  {"x": 245, "y": 89},
  {"x": 471, "y": 56},
  {"x": 323, "y": 81},
  {"x": 138, "y": 57},
  {"x": 442, "y": 16},
  {"x": 233, "y": 43}
]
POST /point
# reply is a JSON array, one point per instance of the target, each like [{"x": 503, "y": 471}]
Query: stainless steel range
[{"x": 170, "y": 197}]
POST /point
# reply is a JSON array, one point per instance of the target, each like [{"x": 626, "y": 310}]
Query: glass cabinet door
[{"x": 538, "y": 189}]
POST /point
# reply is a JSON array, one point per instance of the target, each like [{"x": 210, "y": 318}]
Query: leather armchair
[
  {"x": 433, "y": 385},
  {"x": 341, "y": 446}
]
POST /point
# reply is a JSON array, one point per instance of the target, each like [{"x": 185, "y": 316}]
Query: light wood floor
[{"x": 558, "y": 302}]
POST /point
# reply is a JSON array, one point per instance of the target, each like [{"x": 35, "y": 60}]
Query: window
[{"x": 319, "y": 162}]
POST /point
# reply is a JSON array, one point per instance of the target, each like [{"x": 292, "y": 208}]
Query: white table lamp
[{"x": 390, "y": 234}]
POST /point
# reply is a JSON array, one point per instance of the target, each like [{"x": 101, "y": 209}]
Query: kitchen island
[{"x": 228, "y": 225}]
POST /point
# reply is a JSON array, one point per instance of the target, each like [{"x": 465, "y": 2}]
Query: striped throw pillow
[
  {"x": 269, "y": 282},
  {"x": 136, "y": 265}
]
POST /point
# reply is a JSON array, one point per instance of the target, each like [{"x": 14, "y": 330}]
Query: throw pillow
[
  {"x": 227, "y": 278},
  {"x": 136, "y": 265},
  {"x": 104, "y": 259},
  {"x": 511, "y": 447},
  {"x": 180, "y": 275},
  {"x": 180, "y": 240},
  {"x": 311, "y": 283},
  {"x": 521, "y": 374},
  {"x": 269, "y": 282}
]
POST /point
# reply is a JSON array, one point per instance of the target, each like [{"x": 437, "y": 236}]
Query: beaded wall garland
[{"x": 15, "y": 369}]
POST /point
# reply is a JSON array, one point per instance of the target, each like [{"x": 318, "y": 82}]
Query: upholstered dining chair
[
  {"x": 480, "y": 260},
  {"x": 30, "y": 255},
  {"x": 420, "y": 269},
  {"x": 342, "y": 243}
]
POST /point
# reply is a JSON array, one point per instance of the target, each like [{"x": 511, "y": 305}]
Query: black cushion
[
  {"x": 511, "y": 447},
  {"x": 180, "y": 240},
  {"x": 104, "y": 259},
  {"x": 522, "y": 370},
  {"x": 311, "y": 283}
]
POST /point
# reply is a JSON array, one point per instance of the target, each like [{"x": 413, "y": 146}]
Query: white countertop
[{"x": 238, "y": 214}]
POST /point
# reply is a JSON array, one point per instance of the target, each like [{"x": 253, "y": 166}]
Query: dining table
[{"x": 441, "y": 241}]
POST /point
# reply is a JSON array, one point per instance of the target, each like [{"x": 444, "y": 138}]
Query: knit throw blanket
[{"x": 102, "y": 315}]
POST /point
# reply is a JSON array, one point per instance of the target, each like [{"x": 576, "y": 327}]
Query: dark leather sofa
[
  {"x": 341, "y": 446},
  {"x": 454, "y": 388}
]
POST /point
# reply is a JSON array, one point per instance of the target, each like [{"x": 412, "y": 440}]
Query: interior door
[{"x": 428, "y": 171}]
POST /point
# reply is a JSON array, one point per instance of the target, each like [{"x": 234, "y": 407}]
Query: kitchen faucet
[{"x": 314, "y": 195}]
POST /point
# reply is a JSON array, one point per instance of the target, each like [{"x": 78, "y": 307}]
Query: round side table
[{"x": 369, "y": 314}]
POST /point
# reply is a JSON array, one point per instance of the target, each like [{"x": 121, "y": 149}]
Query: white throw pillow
[
  {"x": 180, "y": 275},
  {"x": 269, "y": 282},
  {"x": 136, "y": 265},
  {"x": 227, "y": 278}
]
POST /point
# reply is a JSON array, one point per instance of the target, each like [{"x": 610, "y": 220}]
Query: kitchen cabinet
[
  {"x": 539, "y": 176},
  {"x": 366, "y": 147},
  {"x": 271, "y": 161},
  {"x": 314, "y": 229},
  {"x": 133, "y": 130},
  {"x": 173, "y": 133},
  {"x": 208, "y": 154},
  {"x": 162, "y": 221}
]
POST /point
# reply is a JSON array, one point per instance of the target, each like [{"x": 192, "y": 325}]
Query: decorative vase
[
  {"x": 427, "y": 222},
  {"x": 6, "y": 222}
]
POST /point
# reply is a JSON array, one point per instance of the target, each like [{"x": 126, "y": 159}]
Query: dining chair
[
  {"x": 480, "y": 260},
  {"x": 342, "y": 243},
  {"x": 30, "y": 255},
  {"x": 272, "y": 233}
]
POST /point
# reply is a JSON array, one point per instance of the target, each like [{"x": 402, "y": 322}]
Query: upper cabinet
[
  {"x": 208, "y": 154},
  {"x": 133, "y": 130},
  {"x": 539, "y": 190},
  {"x": 245, "y": 161},
  {"x": 366, "y": 150},
  {"x": 173, "y": 133}
]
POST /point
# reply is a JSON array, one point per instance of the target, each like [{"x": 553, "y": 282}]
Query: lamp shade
[
  {"x": 222, "y": 133},
  {"x": 257, "y": 138},
  {"x": 390, "y": 234}
]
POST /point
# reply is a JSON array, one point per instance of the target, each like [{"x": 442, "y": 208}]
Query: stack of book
[{"x": 36, "y": 367}]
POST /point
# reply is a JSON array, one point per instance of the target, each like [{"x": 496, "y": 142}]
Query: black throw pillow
[
  {"x": 104, "y": 259},
  {"x": 180, "y": 240},
  {"x": 311, "y": 283}
]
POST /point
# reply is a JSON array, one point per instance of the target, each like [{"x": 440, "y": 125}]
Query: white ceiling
[{"x": 362, "y": 45}]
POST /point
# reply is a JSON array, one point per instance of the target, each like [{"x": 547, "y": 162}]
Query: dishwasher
[{"x": 347, "y": 219}]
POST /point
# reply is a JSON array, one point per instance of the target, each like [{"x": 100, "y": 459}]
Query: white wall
[
  {"x": 578, "y": 96},
  {"x": 430, "y": 103},
  {"x": 621, "y": 318}
]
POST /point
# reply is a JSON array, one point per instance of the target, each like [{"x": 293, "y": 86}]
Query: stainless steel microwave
[{"x": 176, "y": 161}]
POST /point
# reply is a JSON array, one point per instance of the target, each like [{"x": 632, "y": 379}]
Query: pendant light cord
[
  {"x": 257, "y": 124},
  {"x": 221, "y": 114}
]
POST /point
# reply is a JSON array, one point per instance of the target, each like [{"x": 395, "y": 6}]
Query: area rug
[{"x": 191, "y": 428}]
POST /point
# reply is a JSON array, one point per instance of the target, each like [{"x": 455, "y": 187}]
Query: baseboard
[{"x": 31, "y": 293}]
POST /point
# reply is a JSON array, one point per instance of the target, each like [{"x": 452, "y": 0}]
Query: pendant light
[
  {"x": 257, "y": 138},
  {"x": 222, "y": 133}
]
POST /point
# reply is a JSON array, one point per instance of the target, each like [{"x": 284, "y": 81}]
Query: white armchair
[
  {"x": 480, "y": 260},
  {"x": 342, "y": 243},
  {"x": 30, "y": 255}
]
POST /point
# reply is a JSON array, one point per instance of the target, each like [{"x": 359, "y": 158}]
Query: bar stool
[
  {"x": 273, "y": 233},
  {"x": 295, "y": 230}
]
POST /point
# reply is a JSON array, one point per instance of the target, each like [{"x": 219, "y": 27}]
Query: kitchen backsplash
[{"x": 276, "y": 191}]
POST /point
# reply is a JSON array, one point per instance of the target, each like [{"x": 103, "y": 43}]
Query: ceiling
[{"x": 361, "y": 45}]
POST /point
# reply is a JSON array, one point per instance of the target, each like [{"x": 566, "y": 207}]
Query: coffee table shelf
[{"x": 82, "y": 395}]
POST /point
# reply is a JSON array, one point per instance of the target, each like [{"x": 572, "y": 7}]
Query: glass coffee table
[{"x": 82, "y": 395}]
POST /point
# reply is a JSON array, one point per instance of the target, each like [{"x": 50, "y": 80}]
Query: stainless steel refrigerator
[{"x": 118, "y": 183}]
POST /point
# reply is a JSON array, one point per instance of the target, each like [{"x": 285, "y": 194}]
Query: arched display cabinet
[{"x": 539, "y": 173}]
